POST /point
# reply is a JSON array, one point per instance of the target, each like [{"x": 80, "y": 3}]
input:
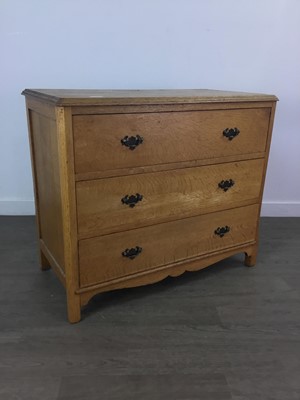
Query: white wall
[{"x": 240, "y": 45}]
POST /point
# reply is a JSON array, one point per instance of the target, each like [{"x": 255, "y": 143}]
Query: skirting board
[
  {"x": 17, "y": 207},
  {"x": 269, "y": 209},
  {"x": 280, "y": 209}
]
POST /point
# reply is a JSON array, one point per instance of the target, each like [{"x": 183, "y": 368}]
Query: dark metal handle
[
  {"x": 222, "y": 231},
  {"x": 225, "y": 185},
  {"x": 132, "y": 141},
  {"x": 231, "y": 133},
  {"x": 132, "y": 200},
  {"x": 132, "y": 253}
]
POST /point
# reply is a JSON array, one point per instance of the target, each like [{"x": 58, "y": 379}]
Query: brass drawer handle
[
  {"x": 132, "y": 200},
  {"x": 225, "y": 185},
  {"x": 231, "y": 133},
  {"x": 132, "y": 253},
  {"x": 132, "y": 141},
  {"x": 222, "y": 231}
]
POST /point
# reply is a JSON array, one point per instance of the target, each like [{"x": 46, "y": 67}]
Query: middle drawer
[{"x": 122, "y": 203}]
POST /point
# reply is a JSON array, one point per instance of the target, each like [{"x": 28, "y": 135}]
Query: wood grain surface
[
  {"x": 82, "y": 171},
  {"x": 166, "y": 195},
  {"x": 45, "y": 160},
  {"x": 100, "y": 259},
  {"x": 73, "y": 97},
  {"x": 168, "y": 137},
  {"x": 69, "y": 218}
]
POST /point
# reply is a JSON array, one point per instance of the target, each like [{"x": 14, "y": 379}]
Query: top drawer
[{"x": 167, "y": 137}]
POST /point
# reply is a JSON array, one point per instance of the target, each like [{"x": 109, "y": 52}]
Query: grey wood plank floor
[{"x": 224, "y": 333}]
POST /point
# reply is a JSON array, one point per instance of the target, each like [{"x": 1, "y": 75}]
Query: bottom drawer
[{"x": 112, "y": 256}]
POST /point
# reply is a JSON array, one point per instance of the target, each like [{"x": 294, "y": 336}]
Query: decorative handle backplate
[
  {"x": 222, "y": 231},
  {"x": 225, "y": 185},
  {"x": 132, "y": 200},
  {"x": 132, "y": 253},
  {"x": 132, "y": 141},
  {"x": 231, "y": 133}
]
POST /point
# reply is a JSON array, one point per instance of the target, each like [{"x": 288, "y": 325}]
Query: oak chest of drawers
[{"x": 135, "y": 186}]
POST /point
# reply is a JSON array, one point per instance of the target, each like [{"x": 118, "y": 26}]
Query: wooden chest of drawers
[{"x": 135, "y": 186}]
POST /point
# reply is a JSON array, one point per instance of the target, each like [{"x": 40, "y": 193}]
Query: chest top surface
[{"x": 74, "y": 97}]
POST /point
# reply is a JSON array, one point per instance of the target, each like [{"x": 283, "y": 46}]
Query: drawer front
[
  {"x": 110, "y": 205},
  {"x": 167, "y": 137},
  {"x": 101, "y": 258}
]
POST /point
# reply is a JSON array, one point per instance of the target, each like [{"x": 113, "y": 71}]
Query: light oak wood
[
  {"x": 52, "y": 160},
  {"x": 173, "y": 107},
  {"x": 51, "y": 262},
  {"x": 44, "y": 144},
  {"x": 251, "y": 256},
  {"x": 100, "y": 259},
  {"x": 81, "y": 172},
  {"x": 44, "y": 263},
  {"x": 44, "y": 109},
  {"x": 157, "y": 274},
  {"x": 168, "y": 137},
  {"x": 66, "y": 169},
  {"x": 250, "y": 259},
  {"x": 73, "y": 97},
  {"x": 166, "y": 195},
  {"x": 164, "y": 167}
]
